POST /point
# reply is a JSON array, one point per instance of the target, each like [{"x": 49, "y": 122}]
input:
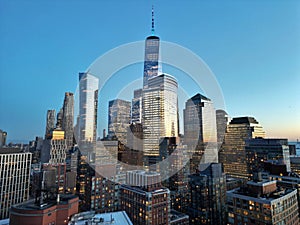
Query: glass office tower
[
  {"x": 88, "y": 104},
  {"x": 118, "y": 119},
  {"x": 151, "y": 59},
  {"x": 160, "y": 117},
  {"x": 233, "y": 153},
  {"x": 200, "y": 131}
]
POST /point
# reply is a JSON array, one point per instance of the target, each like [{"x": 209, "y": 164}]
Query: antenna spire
[{"x": 152, "y": 29}]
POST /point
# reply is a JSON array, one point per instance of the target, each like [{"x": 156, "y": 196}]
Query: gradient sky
[{"x": 252, "y": 47}]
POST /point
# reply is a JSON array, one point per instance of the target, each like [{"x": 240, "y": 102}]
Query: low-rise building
[
  {"x": 262, "y": 202},
  {"x": 90, "y": 218},
  {"x": 45, "y": 212}
]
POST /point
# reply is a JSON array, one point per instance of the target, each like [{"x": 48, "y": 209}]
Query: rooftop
[
  {"x": 153, "y": 37},
  {"x": 175, "y": 216},
  {"x": 244, "y": 193},
  {"x": 243, "y": 120},
  {"x": 32, "y": 205},
  {"x": 198, "y": 97},
  {"x": 115, "y": 218},
  {"x": 10, "y": 150}
]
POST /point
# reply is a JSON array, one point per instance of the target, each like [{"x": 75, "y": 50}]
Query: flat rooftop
[
  {"x": 115, "y": 218},
  {"x": 31, "y": 205}
]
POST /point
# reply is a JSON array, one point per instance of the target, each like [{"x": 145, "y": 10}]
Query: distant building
[
  {"x": 175, "y": 172},
  {"x": 262, "y": 202},
  {"x": 208, "y": 196},
  {"x": 233, "y": 153},
  {"x": 160, "y": 114},
  {"x": 52, "y": 211},
  {"x": 107, "y": 153},
  {"x": 295, "y": 164},
  {"x": 50, "y": 122},
  {"x": 68, "y": 118},
  {"x": 54, "y": 148},
  {"x": 3, "y": 135},
  {"x": 260, "y": 150},
  {"x": 144, "y": 199},
  {"x": 292, "y": 149},
  {"x": 177, "y": 218},
  {"x": 14, "y": 178},
  {"x": 200, "y": 134},
  {"x": 88, "y": 108},
  {"x": 136, "y": 106},
  {"x": 90, "y": 217},
  {"x": 133, "y": 154},
  {"x": 96, "y": 182},
  {"x": 222, "y": 120},
  {"x": 118, "y": 119},
  {"x": 233, "y": 183},
  {"x": 53, "y": 155}
]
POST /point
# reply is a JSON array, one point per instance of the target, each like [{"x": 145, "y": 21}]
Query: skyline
[{"x": 244, "y": 34}]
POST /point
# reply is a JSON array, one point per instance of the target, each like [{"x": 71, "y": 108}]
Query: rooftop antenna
[{"x": 152, "y": 29}]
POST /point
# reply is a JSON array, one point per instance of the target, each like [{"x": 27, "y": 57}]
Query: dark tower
[{"x": 68, "y": 118}]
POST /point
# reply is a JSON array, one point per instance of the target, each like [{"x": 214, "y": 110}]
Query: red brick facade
[{"x": 58, "y": 214}]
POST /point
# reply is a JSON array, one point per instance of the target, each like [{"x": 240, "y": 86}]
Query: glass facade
[
  {"x": 232, "y": 153},
  {"x": 118, "y": 119},
  {"x": 151, "y": 59},
  {"x": 136, "y": 108},
  {"x": 261, "y": 150},
  {"x": 200, "y": 132},
  {"x": 160, "y": 117},
  {"x": 88, "y": 104}
]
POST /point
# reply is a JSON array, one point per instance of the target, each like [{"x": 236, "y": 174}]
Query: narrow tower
[{"x": 151, "y": 55}]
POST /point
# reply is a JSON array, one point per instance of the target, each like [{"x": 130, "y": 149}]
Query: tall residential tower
[{"x": 68, "y": 118}]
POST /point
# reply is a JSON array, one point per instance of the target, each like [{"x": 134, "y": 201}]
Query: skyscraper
[
  {"x": 53, "y": 155},
  {"x": 232, "y": 153},
  {"x": 118, "y": 119},
  {"x": 222, "y": 120},
  {"x": 88, "y": 107},
  {"x": 160, "y": 117},
  {"x": 50, "y": 122},
  {"x": 14, "y": 178},
  {"x": 200, "y": 134},
  {"x": 136, "y": 106},
  {"x": 68, "y": 118},
  {"x": 176, "y": 170},
  {"x": 151, "y": 64}
]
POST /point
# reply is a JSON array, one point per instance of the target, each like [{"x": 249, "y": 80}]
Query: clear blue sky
[{"x": 253, "y": 48}]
